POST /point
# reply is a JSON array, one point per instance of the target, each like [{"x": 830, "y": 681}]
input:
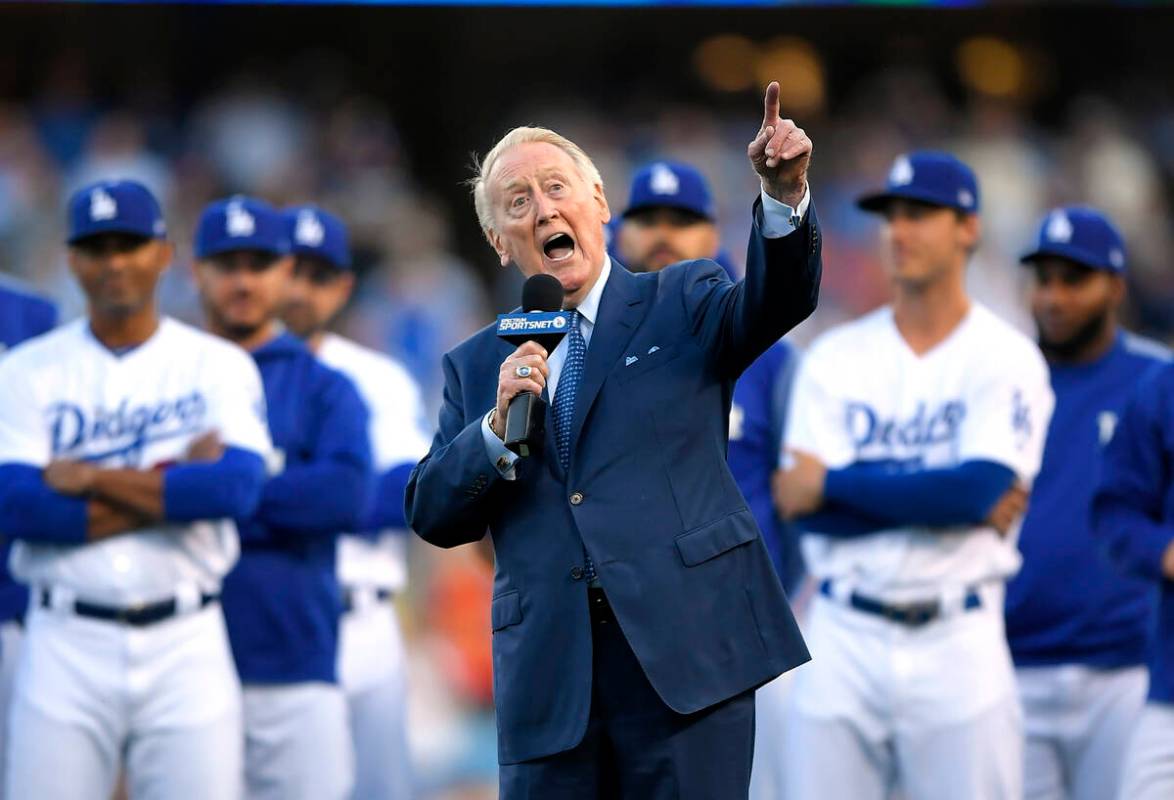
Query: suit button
[
  {"x": 576, "y": 498},
  {"x": 576, "y": 573}
]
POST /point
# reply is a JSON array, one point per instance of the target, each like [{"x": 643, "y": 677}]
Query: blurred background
[{"x": 375, "y": 113}]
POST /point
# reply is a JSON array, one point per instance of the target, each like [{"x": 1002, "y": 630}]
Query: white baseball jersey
[
  {"x": 862, "y": 395},
  {"x": 397, "y": 436},
  {"x": 66, "y": 396}
]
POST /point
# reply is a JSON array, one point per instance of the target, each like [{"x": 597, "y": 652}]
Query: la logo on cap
[
  {"x": 102, "y": 205},
  {"x": 902, "y": 172},
  {"x": 1059, "y": 227},
  {"x": 663, "y": 181},
  {"x": 238, "y": 221},
  {"x": 309, "y": 230}
]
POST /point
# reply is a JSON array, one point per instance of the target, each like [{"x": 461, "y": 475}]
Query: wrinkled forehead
[{"x": 530, "y": 161}]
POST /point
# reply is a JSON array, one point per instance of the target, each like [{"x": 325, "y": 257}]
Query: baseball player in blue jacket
[
  {"x": 282, "y": 602},
  {"x": 1078, "y": 627},
  {"x": 23, "y": 315},
  {"x": 372, "y": 561},
  {"x": 1133, "y": 514}
]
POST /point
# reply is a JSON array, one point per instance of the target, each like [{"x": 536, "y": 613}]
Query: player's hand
[
  {"x": 798, "y": 488},
  {"x": 510, "y": 384},
  {"x": 1008, "y": 509},
  {"x": 206, "y": 447},
  {"x": 780, "y": 153},
  {"x": 70, "y": 477}
]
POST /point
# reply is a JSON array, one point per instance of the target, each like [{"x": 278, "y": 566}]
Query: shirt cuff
[
  {"x": 502, "y": 458},
  {"x": 778, "y": 218}
]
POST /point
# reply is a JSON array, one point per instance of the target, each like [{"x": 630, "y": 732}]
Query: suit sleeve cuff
[
  {"x": 502, "y": 458},
  {"x": 778, "y": 218}
]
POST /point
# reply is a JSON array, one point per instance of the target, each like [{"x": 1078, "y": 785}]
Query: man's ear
[
  {"x": 498, "y": 247},
  {"x": 166, "y": 253},
  {"x": 972, "y": 232},
  {"x": 601, "y": 199},
  {"x": 346, "y": 284},
  {"x": 1118, "y": 290}
]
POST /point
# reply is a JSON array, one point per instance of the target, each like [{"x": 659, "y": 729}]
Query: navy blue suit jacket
[{"x": 678, "y": 552}]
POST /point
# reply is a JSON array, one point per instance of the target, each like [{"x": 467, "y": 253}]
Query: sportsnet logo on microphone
[
  {"x": 531, "y": 322},
  {"x": 545, "y": 327}
]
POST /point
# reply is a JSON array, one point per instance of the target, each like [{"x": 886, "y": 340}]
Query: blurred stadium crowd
[{"x": 426, "y": 282}]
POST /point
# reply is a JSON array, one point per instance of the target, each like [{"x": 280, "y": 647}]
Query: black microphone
[{"x": 543, "y": 321}]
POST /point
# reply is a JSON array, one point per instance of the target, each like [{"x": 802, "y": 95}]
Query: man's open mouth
[{"x": 559, "y": 247}]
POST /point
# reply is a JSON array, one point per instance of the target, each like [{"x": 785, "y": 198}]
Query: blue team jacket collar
[{"x": 283, "y": 345}]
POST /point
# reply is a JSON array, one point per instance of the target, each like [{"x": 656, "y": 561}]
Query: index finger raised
[{"x": 770, "y": 104}]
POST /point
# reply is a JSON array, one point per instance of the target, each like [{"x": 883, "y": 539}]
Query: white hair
[{"x": 523, "y": 135}]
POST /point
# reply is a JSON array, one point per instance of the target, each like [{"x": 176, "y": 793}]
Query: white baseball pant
[{"x": 89, "y": 694}]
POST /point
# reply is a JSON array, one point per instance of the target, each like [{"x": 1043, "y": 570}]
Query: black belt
[
  {"x": 913, "y": 614},
  {"x": 136, "y": 616},
  {"x": 349, "y": 594}
]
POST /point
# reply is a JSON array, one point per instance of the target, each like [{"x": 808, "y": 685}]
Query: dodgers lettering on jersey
[
  {"x": 126, "y": 431},
  {"x": 68, "y": 397},
  {"x": 880, "y": 438},
  {"x": 862, "y": 396},
  {"x": 396, "y": 427}
]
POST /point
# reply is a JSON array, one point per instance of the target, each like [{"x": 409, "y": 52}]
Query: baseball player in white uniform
[
  {"x": 914, "y": 434},
  {"x": 122, "y": 526},
  {"x": 372, "y": 564}
]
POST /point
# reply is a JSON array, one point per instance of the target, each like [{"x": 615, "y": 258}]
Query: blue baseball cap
[
  {"x": 670, "y": 184},
  {"x": 241, "y": 223},
  {"x": 314, "y": 232},
  {"x": 927, "y": 176},
  {"x": 115, "y": 207},
  {"x": 1079, "y": 234}
]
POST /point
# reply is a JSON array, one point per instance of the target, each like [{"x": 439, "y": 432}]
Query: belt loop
[
  {"x": 61, "y": 598},
  {"x": 837, "y": 589},
  {"x": 953, "y": 599},
  {"x": 188, "y": 598}
]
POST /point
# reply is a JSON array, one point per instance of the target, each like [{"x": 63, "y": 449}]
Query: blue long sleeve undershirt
[
  {"x": 319, "y": 498},
  {"x": 31, "y": 511},
  {"x": 228, "y": 488},
  {"x": 386, "y": 510},
  {"x": 864, "y": 498}
]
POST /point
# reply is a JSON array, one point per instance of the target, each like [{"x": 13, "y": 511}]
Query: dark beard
[{"x": 1077, "y": 346}]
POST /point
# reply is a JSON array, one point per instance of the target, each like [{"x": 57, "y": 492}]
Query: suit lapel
[{"x": 620, "y": 310}]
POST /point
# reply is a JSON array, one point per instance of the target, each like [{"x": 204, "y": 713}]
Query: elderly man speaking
[{"x": 635, "y": 608}]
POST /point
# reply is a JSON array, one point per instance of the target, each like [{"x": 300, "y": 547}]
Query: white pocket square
[
  {"x": 653, "y": 349},
  {"x": 630, "y": 360}
]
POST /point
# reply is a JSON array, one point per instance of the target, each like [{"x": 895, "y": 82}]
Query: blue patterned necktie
[{"x": 564, "y": 409}]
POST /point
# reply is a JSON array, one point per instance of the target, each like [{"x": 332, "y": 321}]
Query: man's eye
[{"x": 518, "y": 201}]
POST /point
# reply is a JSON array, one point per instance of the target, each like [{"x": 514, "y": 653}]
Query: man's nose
[
  {"x": 117, "y": 260},
  {"x": 1051, "y": 292},
  {"x": 242, "y": 280},
  {"x": 547, "y": 209},
  {"x": 297, "y": 288}
]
